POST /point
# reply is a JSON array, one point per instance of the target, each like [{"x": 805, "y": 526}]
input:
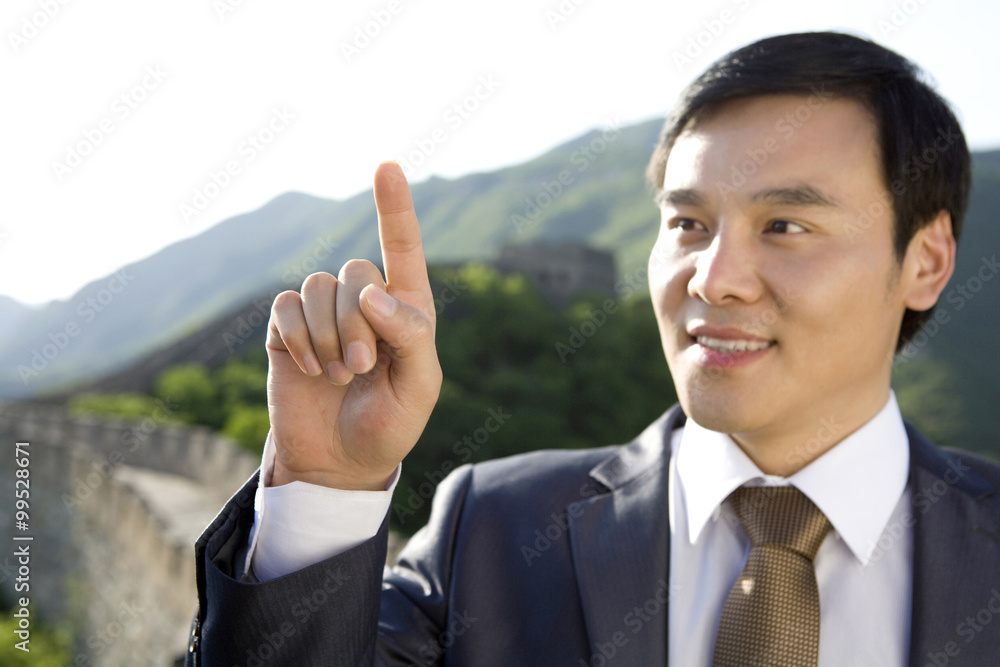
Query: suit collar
[
  {"x": 650, "y": 448},
  {"x": 946, "y": 466},
  {"x": 621, "y": 546}
]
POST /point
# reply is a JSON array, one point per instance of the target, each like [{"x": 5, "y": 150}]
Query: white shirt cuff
[{"x": 307, "y": 523}]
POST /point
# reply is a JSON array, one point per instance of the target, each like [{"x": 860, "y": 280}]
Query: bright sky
[{"x": 118, "y": 113}]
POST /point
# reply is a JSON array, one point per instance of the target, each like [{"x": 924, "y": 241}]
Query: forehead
[{"x": 825, "y": 140}]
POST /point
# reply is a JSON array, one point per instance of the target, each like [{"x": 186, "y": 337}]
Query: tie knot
[{"x": 781, "y": 515}]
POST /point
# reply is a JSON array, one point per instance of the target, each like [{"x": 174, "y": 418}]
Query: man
[{"x": 801, "y": 244}]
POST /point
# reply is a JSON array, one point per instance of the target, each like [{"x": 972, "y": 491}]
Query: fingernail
[
  {"x": 381, "y": 303},
  {"x": 312, "y": 365},
  {"x": 359, "y": 357},
  {"x": 338, "y": 373}
]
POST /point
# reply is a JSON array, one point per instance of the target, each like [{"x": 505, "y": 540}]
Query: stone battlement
[{"x": 115, "y": 508}]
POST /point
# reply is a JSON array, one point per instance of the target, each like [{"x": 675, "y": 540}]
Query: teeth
[{"x": 720, "y": 345}]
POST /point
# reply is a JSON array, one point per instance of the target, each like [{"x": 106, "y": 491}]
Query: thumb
[{"x": 409, "y": 333}]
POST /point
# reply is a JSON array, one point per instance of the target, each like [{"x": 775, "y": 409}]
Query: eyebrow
[
  {"x": 680, "y": 197},
  {"x": 800, "y": 195}
]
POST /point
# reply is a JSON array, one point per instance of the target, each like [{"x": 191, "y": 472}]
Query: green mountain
[
  {"x": 113, "y": 322},
  {"x": 12, "y": 312},
  {"x": 590, "y": 189}
]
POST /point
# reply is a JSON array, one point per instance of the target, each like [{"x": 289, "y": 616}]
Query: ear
[{"x": 929, "y": 263}]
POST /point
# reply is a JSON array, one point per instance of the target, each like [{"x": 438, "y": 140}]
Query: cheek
[
  {"x": 668, "y": 290},
  {"x": 666, "y": 286},
  {"x": 839, "y": 320},
  {"x": 667, "y": 281}
]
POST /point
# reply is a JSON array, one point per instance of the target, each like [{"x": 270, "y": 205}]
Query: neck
[{"x": 803, "y": 440}]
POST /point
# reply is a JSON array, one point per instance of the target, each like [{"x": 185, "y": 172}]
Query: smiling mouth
[{"x": 727, "y": 346}]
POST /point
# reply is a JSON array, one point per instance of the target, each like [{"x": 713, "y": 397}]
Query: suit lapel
[
  {"x": 621, "y": 550},
  {"x": 956, "y": 558},
  {"x": 621, "y": 553}
]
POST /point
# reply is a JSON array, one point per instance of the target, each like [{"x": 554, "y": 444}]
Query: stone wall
[
  {"x": 560, "y": 270},
  {"x": 116, "y": 507}
]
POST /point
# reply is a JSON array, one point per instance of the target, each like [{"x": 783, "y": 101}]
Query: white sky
[{"x": 227, "y": 65}]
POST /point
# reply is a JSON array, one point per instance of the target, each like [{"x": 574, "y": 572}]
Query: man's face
[{"x": 773, "y": 277}]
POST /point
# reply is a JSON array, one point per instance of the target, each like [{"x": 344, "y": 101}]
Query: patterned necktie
[{"x": 771, "y": 617}]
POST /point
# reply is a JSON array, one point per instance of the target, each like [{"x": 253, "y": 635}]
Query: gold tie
[{"x": 771, "y": 617}]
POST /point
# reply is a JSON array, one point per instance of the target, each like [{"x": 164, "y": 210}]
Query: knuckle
[
  {"x": 285, "y": 300},
  {"x": 419, "y": 329},
  {"x": 402, "y": 245},
  {"x": 357, "y": 268},
  {"x": 327, "y": 342},
  {"x": 423, "y": 329},
  {"x": 321, "y": 280}
]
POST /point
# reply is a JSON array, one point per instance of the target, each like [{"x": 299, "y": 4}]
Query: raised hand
[{"x": 353, "y": 372}]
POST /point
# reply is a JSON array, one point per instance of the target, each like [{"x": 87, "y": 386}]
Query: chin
[{"x": 719, "y": 410}]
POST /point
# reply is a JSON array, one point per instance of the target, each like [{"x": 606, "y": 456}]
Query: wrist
[{"x": 333, "y": 480}]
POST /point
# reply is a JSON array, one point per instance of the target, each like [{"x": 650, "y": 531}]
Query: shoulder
[
  {"x": 987, "y": 468},
  {"x": 554, "y": 471},
  {"x": 557, "y": 477},
  {"x": 973, "y": 474}
]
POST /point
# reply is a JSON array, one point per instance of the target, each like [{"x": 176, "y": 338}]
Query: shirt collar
[{"x": 856, "y": 483}]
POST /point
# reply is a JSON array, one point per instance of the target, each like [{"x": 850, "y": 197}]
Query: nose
[{"x": 726, "y": 270}]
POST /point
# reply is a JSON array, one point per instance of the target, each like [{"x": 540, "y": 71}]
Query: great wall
[{"x": 115, "y": 509}]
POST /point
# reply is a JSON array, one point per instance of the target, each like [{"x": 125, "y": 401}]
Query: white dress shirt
[{"x": 863, "y": 568}]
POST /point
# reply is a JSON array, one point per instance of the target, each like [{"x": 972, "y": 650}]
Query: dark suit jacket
[{"x": 561, "y": 558}]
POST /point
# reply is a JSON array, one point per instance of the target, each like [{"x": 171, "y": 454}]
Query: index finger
[{"x": 399, "y": 237}]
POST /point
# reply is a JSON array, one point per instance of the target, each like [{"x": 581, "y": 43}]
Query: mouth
[
  {"x": 731, "y": 346},
  {"x": 726, "y": 347}
]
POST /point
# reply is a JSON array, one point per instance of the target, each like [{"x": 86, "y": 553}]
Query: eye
[
  {"x": 786, "y": 227},
  {"x": 687, "y": 225}
]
